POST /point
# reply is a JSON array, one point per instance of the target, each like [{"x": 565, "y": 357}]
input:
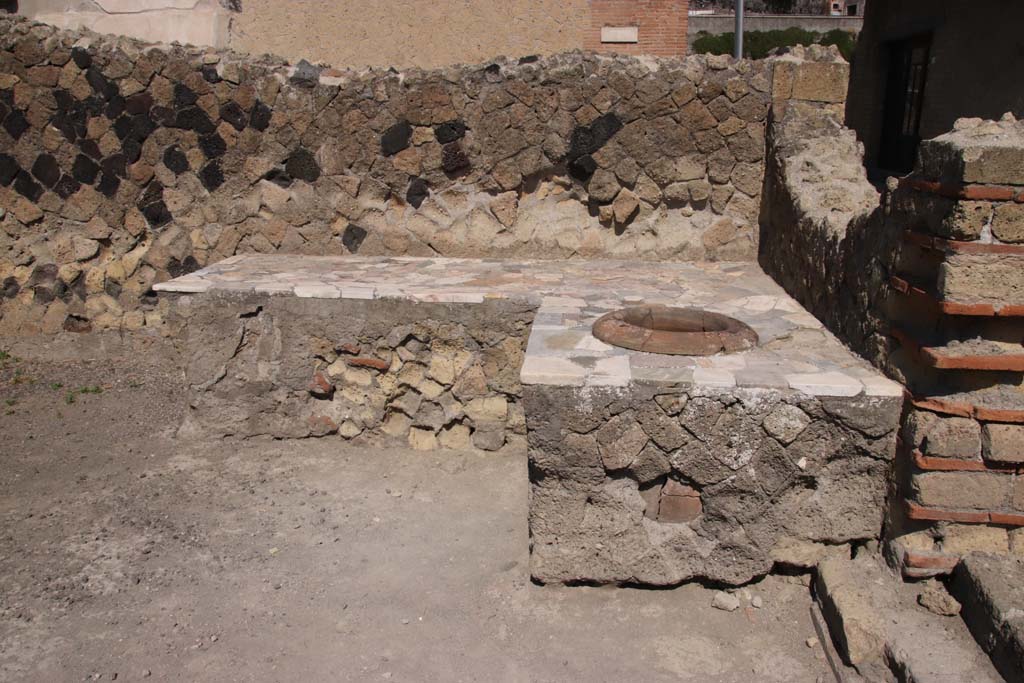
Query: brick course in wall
[{"x": 661, "y": 26}]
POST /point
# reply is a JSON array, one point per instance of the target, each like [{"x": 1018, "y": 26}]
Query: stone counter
[{"x": 644, "y": 468}]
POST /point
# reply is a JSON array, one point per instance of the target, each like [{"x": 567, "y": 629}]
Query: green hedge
[{"x": 757, "y": 44}]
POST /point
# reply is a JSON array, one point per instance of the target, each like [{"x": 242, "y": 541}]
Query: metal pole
[{"x": 738, "y": 52}]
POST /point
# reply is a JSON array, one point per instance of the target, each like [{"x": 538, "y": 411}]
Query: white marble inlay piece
[
  {"x": 317, "y": 292},
  {"x": 547, "y": 370},
  {"x": 714, "y": 377},
  {"x": 876, "y": 385},
  {"x": 825, "y": 384}
]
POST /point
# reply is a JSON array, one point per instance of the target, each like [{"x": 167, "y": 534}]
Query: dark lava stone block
[
  {"x": 63, "y": 99},
  {"x": 604, "y": 127},
  {"x": 108, "y": 184},
  {"x": 67, "y": 129},
  {"x": 81, "y": 58},
  {"x": 94, "y": 105},
  {"x": 453, "y": 159},
  {"x": 90, "y": 147},
  {"x": 10, "y": 287},
  {"x": 4, "y": 110},
  {"x": 156, "y": 214},
  {"x": 418, "y": 192},
  {"x": 85, "y": 170},
  {"x": 8, "y": 169},
  {"x": 302, "y": 165},
  {"x": 279, "y": 177},
  {"x": 123, "y": 127},
  {"x": 211, "y": 176},
  {"x": 589, "y": 139},
  {"x": 528, "y": 59},
  {"x": 306, "y": 75},
  {"x": 582, "y": 167},
  {"x": 142, "y": 127},
  {"x": 112, "y": 289},
  {"x": 194, "y": 118},
  {"x": 16, "y": 124},
  {"x": 115, "y": 107},
  {"x": 213, "y": 145},
  {"x": 140, "y": 103},
  {"x": 396, "y": 138},
  {"x": 449, "y": 131},
  {"x": 175, "y": 160},
  {"x": 132, "y": 150},
  {"x": 46, "y": 170},
  {"x": 114, "y": 165},
  {"x": 210, "y": 74},
  {"x": 176, "y": 268},
  {"x": 260, "y": 116},
  {"x": 77, "y": 324},
  {"x": 164, "y": 116},
  {"x": 233, "y": 113},
  {"x": 26, "y": 187},
  {"x": 183, "y": 96},
  {"x": 353, "y": 237},
  {"x": 99, "y": 83},
  {"x": 66, "y": 186},
  {"x": 154, "y": 193}
]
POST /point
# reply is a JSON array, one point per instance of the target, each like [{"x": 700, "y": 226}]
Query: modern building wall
[
  {"x": 197, "y": 22},
  {"x": 400, "y": 33},
  {"x": 977, "y": 57}
]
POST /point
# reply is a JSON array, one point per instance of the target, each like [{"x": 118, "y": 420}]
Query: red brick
[
  {"x": 1007, "y": 518},
  {"x": 920, "y": 512},
  {"x": 365, "y": 362},
  {"x": 925, "y": 560},
  {"x": 320, "y": 386}
]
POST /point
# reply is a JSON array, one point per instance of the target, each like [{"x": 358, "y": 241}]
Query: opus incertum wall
[{"x": 122, "y": 164}]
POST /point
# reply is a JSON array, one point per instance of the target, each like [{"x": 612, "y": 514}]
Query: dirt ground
[{"x": 128, "y": 554}]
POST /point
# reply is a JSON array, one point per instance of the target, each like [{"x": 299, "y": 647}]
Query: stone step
[
  {"x": 991, "y": 590},
  {"x": 880, "y": 629}
]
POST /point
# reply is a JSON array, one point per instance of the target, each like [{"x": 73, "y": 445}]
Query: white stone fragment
[
  {"x": 825, "y": 384},
  {"x": 713, "y": 377},
  {"x": 552, "y": 370}
]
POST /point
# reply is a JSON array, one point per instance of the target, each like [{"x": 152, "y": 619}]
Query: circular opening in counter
[{"x": 674, "y": 330}]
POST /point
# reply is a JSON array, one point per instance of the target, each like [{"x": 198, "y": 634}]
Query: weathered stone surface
[
  {"x": 970, "y": 490},
  {"x": 991, "y": 590},
  {"x": 429, "y": 394},
  {"x": 943, "y": 437},
  {"x": 1003, "y": 443},
  {"x": 878, "y": 629},
  {"x": 731, "y": 489},
  {"x": 565, "y": 133}
]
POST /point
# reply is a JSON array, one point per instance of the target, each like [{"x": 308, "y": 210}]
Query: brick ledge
[
  {"x": 992, "y": 193},
  {"x": 949, "y": 246},
  {"x": 904, "y": 286},
  {"x": 919, "y": 512},
  {"x": 932, "y": 356}
]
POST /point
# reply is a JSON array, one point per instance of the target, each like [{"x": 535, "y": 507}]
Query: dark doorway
[{"x": 904, "y": 95}]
